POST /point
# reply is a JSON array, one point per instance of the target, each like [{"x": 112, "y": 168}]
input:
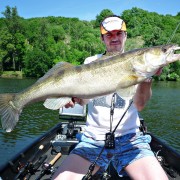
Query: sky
[{"x": 86, "y": 9}]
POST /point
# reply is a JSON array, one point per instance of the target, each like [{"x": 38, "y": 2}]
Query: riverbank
[{"x": 12, "y": 74}]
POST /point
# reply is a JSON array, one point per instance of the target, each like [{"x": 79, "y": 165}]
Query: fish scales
[{"x": 91, "y": 80}]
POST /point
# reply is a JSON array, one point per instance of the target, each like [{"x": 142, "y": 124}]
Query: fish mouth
[
  {"x": 173, "y": 54},
  {"x": 176, "y": 49},
  {"x": 170, "y": 48}
]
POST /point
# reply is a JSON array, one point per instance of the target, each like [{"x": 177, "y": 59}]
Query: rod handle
[
  {"x": 41, "y": 147},
  {"x": 55, "y": 159}
]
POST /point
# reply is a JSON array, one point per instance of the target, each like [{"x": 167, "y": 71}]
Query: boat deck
[{"x": 172, "y": 174}]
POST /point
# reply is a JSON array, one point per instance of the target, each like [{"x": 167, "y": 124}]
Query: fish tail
[{"x": 9, "y": 112}]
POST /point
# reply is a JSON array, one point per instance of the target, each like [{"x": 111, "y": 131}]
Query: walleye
[{"x": 119, "y": 73}]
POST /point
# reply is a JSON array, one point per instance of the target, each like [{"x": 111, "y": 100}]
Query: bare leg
[
  {"x": 74, "y": 167},
  {"x": 147, "y": 168}
]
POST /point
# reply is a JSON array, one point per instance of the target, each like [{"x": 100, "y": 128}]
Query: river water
[{"x": 162, "y": 116}]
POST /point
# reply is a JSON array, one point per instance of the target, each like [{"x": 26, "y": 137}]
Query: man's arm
[{"x": 143, "y": 94}]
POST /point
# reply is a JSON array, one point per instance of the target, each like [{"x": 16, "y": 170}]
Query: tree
[
  {"x": 100, "y": 17},
  {"x": 58, "y": 33},
  {"x": 15, "y": 42},
  {"x": 37, "y": 63}
]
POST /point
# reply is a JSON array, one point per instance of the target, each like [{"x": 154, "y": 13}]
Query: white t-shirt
[{"x": 98, "y": 118}]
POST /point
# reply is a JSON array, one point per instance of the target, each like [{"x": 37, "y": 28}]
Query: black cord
[
  {"x": 92, "y": 166},
  {"x": 112, "y": 110},
  {"x": 122, "y": 117}
]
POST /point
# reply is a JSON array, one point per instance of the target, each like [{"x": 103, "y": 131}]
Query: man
[{"x": 131, "y": 153}]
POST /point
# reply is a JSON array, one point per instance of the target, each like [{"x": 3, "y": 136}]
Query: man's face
[{"x": 114, "y": 41}]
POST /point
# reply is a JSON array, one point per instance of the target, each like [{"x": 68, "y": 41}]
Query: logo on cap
[{"x": 112, "y": 23}]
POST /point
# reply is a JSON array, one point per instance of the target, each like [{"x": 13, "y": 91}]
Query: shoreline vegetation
[
  {"x": 12, "y": 74},
  {"x": 35, "y": 45}
]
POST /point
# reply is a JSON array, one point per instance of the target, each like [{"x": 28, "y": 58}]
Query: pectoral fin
[
  {"x": 127, "y": 92},
  {"x": 127, "y": 80},
  {"x": 127, "y": 86},
  {"x": 56, "y": 103}
]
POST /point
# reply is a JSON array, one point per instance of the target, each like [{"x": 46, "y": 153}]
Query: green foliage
[
  {"x": 12, "y": 40},
  {"x": 34, "y": 45},
  {"x": 37, "y": 63},
  {"x": 154, "y": 28},
  {"x": 134, "y": 43},
  {"x": 100, "y": 17}
]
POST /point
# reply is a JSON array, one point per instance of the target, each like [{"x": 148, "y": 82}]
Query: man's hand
[
  {"x": 72, "y": 102},
  {"x": 159, "y": 71}
]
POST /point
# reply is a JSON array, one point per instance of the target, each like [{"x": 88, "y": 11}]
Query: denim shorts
[{"x": 128, "y": 148}]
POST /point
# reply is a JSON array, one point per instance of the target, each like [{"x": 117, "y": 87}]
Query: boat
[{"x": 42, "y": 157}]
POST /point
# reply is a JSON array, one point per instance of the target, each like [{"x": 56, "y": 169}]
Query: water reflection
[{"x": 162, "y": 113}]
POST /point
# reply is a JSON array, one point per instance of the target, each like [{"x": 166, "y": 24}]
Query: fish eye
[{"x": 164, "y": 49}]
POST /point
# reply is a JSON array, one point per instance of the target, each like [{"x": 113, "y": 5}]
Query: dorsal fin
[{"x": 57, "y": 68}]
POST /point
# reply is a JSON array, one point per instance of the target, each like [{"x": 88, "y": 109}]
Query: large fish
[{"x": 119, "y": 73}]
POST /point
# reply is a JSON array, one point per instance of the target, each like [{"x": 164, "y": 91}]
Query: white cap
[{"x": 112, "y": 23}]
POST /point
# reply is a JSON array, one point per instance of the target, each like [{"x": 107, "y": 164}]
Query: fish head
[
  {"x": 160, "y": 56},
  {"x": 155, "y": 58}
]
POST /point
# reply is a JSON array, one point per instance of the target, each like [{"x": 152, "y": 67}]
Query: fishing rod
[
  {"x": 47, "y": 168},
  {"x": 173, "y": 34},
  {"x": 29, "y": 163},
  {"x": 34, "y": 167}
]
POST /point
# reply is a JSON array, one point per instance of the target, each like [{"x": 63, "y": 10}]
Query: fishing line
[{"x": 173, "y": 34}]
